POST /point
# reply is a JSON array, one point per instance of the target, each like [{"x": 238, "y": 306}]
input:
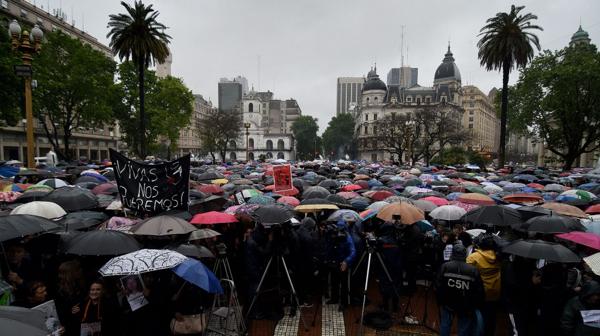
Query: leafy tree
[
  {"x": 452, "y": 156},
  {"x": 217, "y": 129},
  {"x": 339, "y": 135},
  {"x": 398, "y": 134},
  {"x": 169, "y": 107},
  {"x": 74, "y": 89},
  {"x": 305, "y": 130},
  {"x": 513, "y": 123},
  {"x": 10, "y": 86},
  {"x": 558, "y": 96},
  {"x": 139, "y": 36},
  {"x": 507, "y": 42}
]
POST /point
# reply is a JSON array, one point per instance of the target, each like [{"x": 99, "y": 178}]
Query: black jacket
[
  {"x": 571, "y": 322},
  {"x": 459, "y": 286}
]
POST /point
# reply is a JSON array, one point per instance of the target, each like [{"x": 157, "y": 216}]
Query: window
[
  {"x": 418, "y": 100},
  {"x": 427, "y": 100},
  {"x": 471, "y": 119},
  {"x": 366, "y": 117},
  {"x": 375, "y": 116},
  {"x": 269, "y": 155},
  {"x": 471, "y": 104},
  {"x": 232, "y": 144},
  {"x": 393, "y": 115},
  {"x": 409, "y": 99},
  {"x": 269, "y": 145},
  {"x": 443, "y": 100},
  {"x": 470, "y": 125},
  {"x": 40, "y": 22},
  {"x": 470, "y": 112},
  {"x": 250, "y": 107},
  {"x": 280, "y": 156},
  {"x": 232, "y": 156},
  {"x": 280, "y": 145},
  {"x": 251, "y": 143},
  {"x": 366, "y": 129},
  {"x": 375, "y": 98},
  {"x": 375, "y": 129}
]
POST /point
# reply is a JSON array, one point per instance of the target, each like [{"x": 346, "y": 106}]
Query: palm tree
[
  {"x": 139, "y": 36},
  {"x": 506, "y": 43}
]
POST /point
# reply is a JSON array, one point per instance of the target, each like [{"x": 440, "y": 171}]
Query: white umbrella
[
  {"x": 47, "y": 210},
  {"x": 554, "y": 187},
  {"x": 53, "y": 182},
  {"x": 475, "y": 232},
  {"x": 593, "y": 262},
  {"x": 377, "y": 205},
  {"x": 492, "y": 189},
  {"x": 447, "y": 212},
  {"x": 142, "y": 261}
]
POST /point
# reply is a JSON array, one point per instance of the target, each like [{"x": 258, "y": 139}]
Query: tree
[
  {"x": 452, "y": 156},
  {"x": 440, "y": 127},
  {"x": 218, "y": 129},
  {"x": 558, "y": 96},
  {"x": 74, "y": 89},
  {"x": 339, "y": 135},
  {"x": 10, "y": 86},
  {"x": 398, "y": 134},
  {"x": 506, "y": 42},
  {"x": 139, "y": 36},
  {"x": 305, "y": 130},
  {"x": 169, "y": 107}
]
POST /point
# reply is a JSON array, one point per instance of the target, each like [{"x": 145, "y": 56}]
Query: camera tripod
[
  {"x": 369, "y": 255},
  {"x": 278, "y": 259},
  {"x": 407, "y": 310},
  {"x": 222, "y": 266}
]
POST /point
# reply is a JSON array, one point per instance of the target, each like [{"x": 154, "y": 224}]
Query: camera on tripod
[{"x": 222, "y": 249}]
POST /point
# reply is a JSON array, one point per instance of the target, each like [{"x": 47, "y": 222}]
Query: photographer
[
  {"x": 340, "y": 255},
  {"x": 390, "y": 252},
  {"x": 410, "y": 240}
]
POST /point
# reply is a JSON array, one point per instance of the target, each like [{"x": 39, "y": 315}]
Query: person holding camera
[
  {"x": 410, "y": 240},
  {"x": 339, "y": 257}
]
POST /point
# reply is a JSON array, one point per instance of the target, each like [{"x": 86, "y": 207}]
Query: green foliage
[
  {"x": 558, "y": 96},
  {"x": 339, "y": 134},
  {"x": 513, "y": 122},
  {"x": 218, "y": 129},
  {"x": 452, "y": 156},
  {"x": 74, "y": 89},
  {"x": 305, "y": 130},
  {"x": 11, "y": 87},
  {"x": 169, "y": 107},
  {"x": 478, "y": 159}
]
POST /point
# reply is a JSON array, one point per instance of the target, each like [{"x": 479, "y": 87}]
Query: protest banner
[
  {"x": 282, "y": 176},
  {"x": 149, "y": 189}
]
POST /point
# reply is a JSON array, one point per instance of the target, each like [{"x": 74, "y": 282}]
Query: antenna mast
[{"x": 402, "y": 46}]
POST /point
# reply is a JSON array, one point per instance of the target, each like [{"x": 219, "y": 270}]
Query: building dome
[
  {"x": 580, "y": 36},
  {"x": 447, "y": 70},
  {"x": 373, "y": 82}
]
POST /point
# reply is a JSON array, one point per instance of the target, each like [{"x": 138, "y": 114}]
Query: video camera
[{"x": 221, "y": 249}]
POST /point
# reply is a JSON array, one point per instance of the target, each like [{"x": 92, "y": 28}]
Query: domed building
[
  {"x": 379, "y": 100},
  {"x": 580, "y": 37}
]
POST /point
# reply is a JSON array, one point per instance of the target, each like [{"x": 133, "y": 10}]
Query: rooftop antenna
[
  {"x": 407, "y": 55},
  {"x": 402, "y": 46},
  {"x": 258, "y": 70}
]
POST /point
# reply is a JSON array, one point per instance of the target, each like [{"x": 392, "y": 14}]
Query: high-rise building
[
  {"x": 404, "y": 77},
  {"x": 348, "y": 93},
  {"x": 230, "y": 95},
  {"x": 480, "y": 119}
]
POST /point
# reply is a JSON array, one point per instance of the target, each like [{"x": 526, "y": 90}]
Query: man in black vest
[{"x": 459, "y": 292}]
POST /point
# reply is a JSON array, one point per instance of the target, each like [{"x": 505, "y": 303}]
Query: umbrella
[
  {"x": 53, "y": 183},
  {"x": 210, "y": 189},
  {"x": 583, "y": 238},
  {"x": 348, "y": 194},
  {"x": 203, "y": 234},
  {"x": 381, "y": 195},
  {"x": 347, "y": 215},
  {"x": 554, "y": 187},
  {"x": 95, "y": 174},
  {"x": 194, "y": 272},
  {"x": 338, "y": 200},
  {"x": 87, "y": 185},
  {"x": 475, "y": 198},
  {"x": 261, "y": 200},
  {"x": 435, "y": 200},
  {"x": 30, "y": 196},
  {"x": 593, "y": 261},
  {"x": 249, "y": 193},
  {"x": 291, "y": 192},
  {"x": 163, "y": 226},
  {"x": 447, "y": 213},
  {"x": 378, "y": 205},
  {"x": 359, "y": 203},
  {"x": 329, "y": 184},
  {"x": 493, "y": 215},
  {"x": 315, "y": 192},
  {"x": 325, "y": 205},
  {"x": 275, "y": 214},
  {"x": 409, "y": 214},
  {"x": 539, "y": 249},
  {"x": 552, "y": 224},
  {"x": 82, "y": 220},
  {"x": 47, "y": 210},
  {"x": 16, "y": 226},
  {"x": 576, "y": 194},
  {"x": 102, "y": 242},
  {"x": 209, "y": 176},
  {"x": 425, "y": 205},
  {"x": 594, "y": 209},
  {"x": 565, "y": 209},
  {"x": 194, "y": 251},
  {"x": 351, "y": 187},
  {"x": 475, "y": 232},
  {"x": 523, "y": 198},
  {"x": 105, "y": 189},
  {"x": 289, "y": 200},
  {"x": 73, "y": 198},
  {"x": 142, "y": 261},
  {"x": 213, "y": 217},
  {"x": 18, "y": 321}
]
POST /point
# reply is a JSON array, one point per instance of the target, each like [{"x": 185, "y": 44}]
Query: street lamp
[
  {"x": 247, "y": 126},
  {"x": 28, "y": 45}
]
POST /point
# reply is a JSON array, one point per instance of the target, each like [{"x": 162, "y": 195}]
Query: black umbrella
[
  {"x": 194, "y": 251},
  {"x": 552, "y": 224},
  {"x": 338, "y": 200},
  {"x": 329, "y": 184},
  {"x": 315, "y": 192},
  {"x": 86, "y": 178},
  {"x": 102, "y": 242},
  {"x": 88, "y": 185},
  {"x": 528, "y": 212},
  {"x": 494, "y": 215},
  {"x": 16, "y": 226},
  {"x": 110, "y": 174},
  {"x": 539, "y": 249},
  {"x": 82, "y": 220},
  {"x": 274, "y": 214},
  {"x": 73, "y": 198},
  {"x": 18, "y": 321},
  {"x": 185, "y": 215},
  {"x": 209, "y": 176},
  {"x": 30, "y": 196}
]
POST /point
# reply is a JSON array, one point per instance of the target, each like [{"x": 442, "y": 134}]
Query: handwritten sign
[
  {"x": 152, "y": 188},
  {"x": 282, "y": 176}
]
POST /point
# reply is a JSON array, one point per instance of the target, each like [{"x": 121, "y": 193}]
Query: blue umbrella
[
  {"x": 193, "y": 271},
  {"x": 374, "y": 183},
  {"x": 588, "y": 186}
]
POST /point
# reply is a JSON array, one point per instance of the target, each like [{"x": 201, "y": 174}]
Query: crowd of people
[{"x": 320, "y": 233}]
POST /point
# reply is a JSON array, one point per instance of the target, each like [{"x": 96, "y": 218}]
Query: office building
[
  {"x": 404, "y": 77},
  {"x": 348, "y": 93},
  {"x": 230, "y": 94},
  {"x": 480, "y": 120}
]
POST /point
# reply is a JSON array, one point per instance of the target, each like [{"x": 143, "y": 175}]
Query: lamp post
[
  {"x": 28, "y": 45},
  {"x": 247, "y": 126}
]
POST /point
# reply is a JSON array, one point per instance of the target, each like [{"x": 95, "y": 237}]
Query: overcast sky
[{"x": 304, "y": 45}]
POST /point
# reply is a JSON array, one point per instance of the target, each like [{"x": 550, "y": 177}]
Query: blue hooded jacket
[{"x": 341, "y": 251}]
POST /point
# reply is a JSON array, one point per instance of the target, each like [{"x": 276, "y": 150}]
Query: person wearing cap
[
  {"x": 588, "y": 299},
  {"x": 459, "y": 292},
  {"x": 340, "y": 255}
]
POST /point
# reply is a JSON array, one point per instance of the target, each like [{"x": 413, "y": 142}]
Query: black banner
[{"x": 152, "y": 188}]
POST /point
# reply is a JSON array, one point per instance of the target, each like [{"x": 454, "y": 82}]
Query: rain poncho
[{"x": 489, "y": 268}]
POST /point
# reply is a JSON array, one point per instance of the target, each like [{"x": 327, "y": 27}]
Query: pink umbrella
[
  {"x": 436, "y": 200},
  {"x": 289, "y": 200},
  {"x": 348, "y": 194},
  {"x": 213, "y": 217},
  {"x": 583, "y": 238},
  {"x": 232, "y": 209},
  {"x": 468, "y": 207},
  {"x": 352, "y": 187}
]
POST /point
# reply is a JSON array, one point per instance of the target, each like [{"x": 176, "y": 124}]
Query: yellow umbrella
[
  {"x": 315, "y": 207},
  {"x": 408, "y": 213},
  {"x": 220, "y": 181}
]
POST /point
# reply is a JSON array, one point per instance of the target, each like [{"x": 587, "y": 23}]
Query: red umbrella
[
  {"x": 582, "y": 238},
  {"x": 105, "y": 189},
  {"x": 363, "y": 184},
  {"x": 351, "y": 187},
  {"x": 348, "y": 194},
  {"x": 270, "y": 187},
  {"x": 381, "y": 195},
  {"x": 436, "y": 200},
  {"x": 289, "y": 200},
  {"x": 523, "y": 198},
  {"x": 210, "y": 189},
  {"x": 213, "y": 217},
  {"x": 594, "y": 209},
  {"x": 536, "y": 186}
]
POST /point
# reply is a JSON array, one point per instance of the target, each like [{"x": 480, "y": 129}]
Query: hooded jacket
[
  {"x": 489, "y": 268},
  {"x": 338, "y": 251},
  {"x": 571, "y": 322}
]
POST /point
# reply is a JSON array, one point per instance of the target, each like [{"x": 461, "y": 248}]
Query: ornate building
[{"x": 380, "y": 101}]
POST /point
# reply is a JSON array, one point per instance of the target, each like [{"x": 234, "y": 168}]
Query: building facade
[
  {"x": 230, "y": 95},
  {"x": 480, "y": 120},
  {"x": 189, "y": 137},
  {"x": 348, "y": 93},
  {"x": 403, "y": 77},
  {"x": 91, "y": 143}
]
